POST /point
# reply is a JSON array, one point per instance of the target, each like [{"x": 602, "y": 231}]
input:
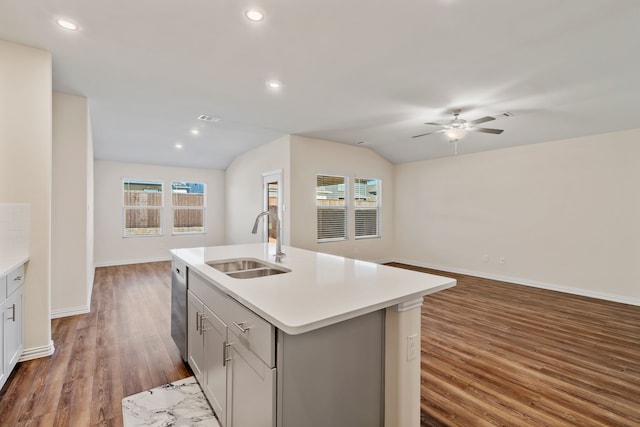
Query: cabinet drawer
[
  {"x": 255, "y": 333},
  {"x": 15, "y": 279}
]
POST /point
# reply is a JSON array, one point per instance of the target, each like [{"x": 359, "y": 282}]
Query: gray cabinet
[
  {"x": 214, "y": 332},
  {"x": 330, "y": 376},
  {"x": 232, "y": 354},
  {"x": 207, "y": 336}
]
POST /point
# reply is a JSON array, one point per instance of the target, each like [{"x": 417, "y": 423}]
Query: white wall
[
  {"x": 111, "y": 248},
  {"x": 25, "y": 174},
  {"x": 564, "y": 214},
  {"x": 244, "y": 190},
  {"x": 310, "y": 157},
  {"x": 71, "y": 207}
]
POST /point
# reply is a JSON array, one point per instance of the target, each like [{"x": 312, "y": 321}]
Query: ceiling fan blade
[
  {"x": 436, "y": 124},
  {"x": 482, "y": 120},
  {"x": 487, "y": 130},
  {"x": 430, "y": 133}
]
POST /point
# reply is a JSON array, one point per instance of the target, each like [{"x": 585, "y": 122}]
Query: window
[
  {"x": 189, "y": 204},
  {"x": 331, "y": 208},
  {"x": 142, "y": 208},
  {"x": 366, "y": 194}
]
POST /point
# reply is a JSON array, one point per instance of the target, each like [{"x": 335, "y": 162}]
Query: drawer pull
[
  {"x": 18, "y": 278},
  {"x": 240, "y": 325},
  {"x": 13, "y": 316}
]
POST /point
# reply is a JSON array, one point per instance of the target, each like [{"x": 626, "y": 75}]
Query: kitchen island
[{"x": 329, "y": 329}]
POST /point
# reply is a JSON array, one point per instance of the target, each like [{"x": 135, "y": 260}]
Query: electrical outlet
[
  {"x": 502, "y": 260},
  {"x": 485, "y": 258},
  {"x": 413, "y": 346}
]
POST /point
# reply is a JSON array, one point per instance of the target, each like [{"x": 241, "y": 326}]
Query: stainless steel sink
[
  {"x": 247, "y": 268},
  {"x": 236, "y": 265}
]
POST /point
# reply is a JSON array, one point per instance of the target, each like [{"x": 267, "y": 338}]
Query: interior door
[{"x": 272, "y": 202}]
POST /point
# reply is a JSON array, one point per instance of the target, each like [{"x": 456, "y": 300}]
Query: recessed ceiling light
[
  {"x": 67, "y": 25},
  {"x": 179, "y": 146},
  {"x": 254, "y": 15},
  {"x": 274, "y": 84},
  {"x": 195, "y": 131}
]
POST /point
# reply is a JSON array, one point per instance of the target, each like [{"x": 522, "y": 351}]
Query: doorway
[{"x": 272, "y": 202}]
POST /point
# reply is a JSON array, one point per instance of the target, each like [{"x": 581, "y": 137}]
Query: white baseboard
[
  {"x": 36, "y": 352},
  {"x": 132, "y": 261},
  {"x": 526, "y": 282},
  {"x": 71, "y": 311}
]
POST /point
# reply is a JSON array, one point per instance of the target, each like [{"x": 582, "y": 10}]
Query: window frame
[
  {"x": 126, "y": 207},
  {"x": 377, "y": 208},
  {"x": 175, "y": 208},
  {"x": 344, "y": 208}
]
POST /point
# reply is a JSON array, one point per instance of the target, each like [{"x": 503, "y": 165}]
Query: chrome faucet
[{"x": 279, "y": 253}]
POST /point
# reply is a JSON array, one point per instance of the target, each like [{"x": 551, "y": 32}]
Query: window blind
[{"x": 331, "y": 207}]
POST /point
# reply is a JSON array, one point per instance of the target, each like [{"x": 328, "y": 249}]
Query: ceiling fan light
[{"x": 456, "y": 133}]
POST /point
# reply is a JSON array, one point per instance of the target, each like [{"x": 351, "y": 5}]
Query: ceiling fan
[{"x": 458, "y": 128}]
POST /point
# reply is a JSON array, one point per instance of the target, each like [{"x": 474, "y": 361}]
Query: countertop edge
[
  {"x": 297, "y": 330},
  {"x": 8, "y": 264}
]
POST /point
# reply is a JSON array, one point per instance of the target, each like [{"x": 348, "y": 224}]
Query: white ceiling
[{"x": 369, "y": 71}]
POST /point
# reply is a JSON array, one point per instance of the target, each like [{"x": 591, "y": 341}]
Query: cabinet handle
[
  {"x": 225, "y": 353},
  {"x": 197, "y": 321},
  {"x": 202, "y": 328},
  {"x": 240, "y": 325},
  {"x": 13, "y": 316},
  {"x": 18, "y": 278}
]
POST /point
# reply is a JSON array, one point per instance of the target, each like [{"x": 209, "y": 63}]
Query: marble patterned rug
[{"x": 178, "y": 404}]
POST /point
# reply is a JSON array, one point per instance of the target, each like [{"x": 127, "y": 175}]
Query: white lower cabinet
[
  {"x": 3, "y": 373},
  {"x": 13, "y": 329},
  {"x": 11, "y": 322}
]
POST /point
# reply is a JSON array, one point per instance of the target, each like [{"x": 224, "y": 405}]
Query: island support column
[{"x": 402, "y": 364}]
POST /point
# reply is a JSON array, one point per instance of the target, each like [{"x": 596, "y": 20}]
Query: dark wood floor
[
  {"x": 122, "y": 347},
  {"x": 493, "y": 353}
]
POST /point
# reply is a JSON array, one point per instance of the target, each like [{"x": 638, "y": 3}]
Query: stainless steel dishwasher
[{"x": 179, "y": 306}]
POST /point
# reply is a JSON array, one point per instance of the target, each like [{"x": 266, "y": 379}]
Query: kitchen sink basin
[
  {"x": 237, "y": 265},
  {"x": 247, "y": 268}
]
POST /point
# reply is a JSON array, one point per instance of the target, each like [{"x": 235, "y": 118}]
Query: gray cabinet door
[
  {"x": 194, "y": 336},
  {"x": 251, "y": 390},
  {"x": 215, "y": 370}
]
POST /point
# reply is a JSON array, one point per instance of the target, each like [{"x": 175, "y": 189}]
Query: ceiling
[{"x": 357, "y": 71}]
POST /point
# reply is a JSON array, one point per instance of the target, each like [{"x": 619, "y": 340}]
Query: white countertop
[
  {"x": 8, "y": 264},
  {"x": 320, "y": 290}
]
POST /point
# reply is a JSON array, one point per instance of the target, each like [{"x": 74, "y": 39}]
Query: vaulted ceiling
[{"x": 355, "y": 72}]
